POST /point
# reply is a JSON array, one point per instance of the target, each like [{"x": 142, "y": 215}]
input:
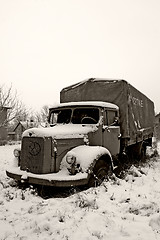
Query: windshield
[
  {"x": 60, "y": 116},
  {"x": 75, "y": 116}
]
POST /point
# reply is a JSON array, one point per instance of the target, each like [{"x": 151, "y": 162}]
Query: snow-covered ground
[{"x": 119, "y": 209}]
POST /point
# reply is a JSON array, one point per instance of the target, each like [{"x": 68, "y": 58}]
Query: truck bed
[{"x": 136, "y": 110}]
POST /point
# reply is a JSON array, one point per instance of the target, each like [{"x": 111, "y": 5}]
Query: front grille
[{"x": 36, "y": 155}]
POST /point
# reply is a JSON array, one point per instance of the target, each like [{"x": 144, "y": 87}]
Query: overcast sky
[{"x": 46, "y": 45}]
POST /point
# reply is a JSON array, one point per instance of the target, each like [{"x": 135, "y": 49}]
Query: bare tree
[
  {"x": 44, "y": 113},
  {"x": 15, "y": 109},
  {"x": 42, "y": 116}
]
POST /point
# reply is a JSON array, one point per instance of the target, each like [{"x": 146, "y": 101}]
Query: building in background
[
  {"x": 19, "y": 128},
  {"x": 3, "y": 125}
]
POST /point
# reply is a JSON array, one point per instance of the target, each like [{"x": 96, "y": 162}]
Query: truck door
[{"x": 111, "y": 132}]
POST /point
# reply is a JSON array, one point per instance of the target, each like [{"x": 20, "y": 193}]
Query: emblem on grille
[{"x": 34, "y": 148}]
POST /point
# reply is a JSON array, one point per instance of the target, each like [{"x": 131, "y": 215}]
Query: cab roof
[{"x": 88, "y": 104}]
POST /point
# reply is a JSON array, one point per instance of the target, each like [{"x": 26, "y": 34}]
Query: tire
[
  {"x": 137, "y": 152},
  {"x": 100, "y": 173},
  {"x": 143, "y": 152}
]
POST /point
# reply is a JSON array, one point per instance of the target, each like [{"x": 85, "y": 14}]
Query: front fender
[{"x": 86, "y": 156}]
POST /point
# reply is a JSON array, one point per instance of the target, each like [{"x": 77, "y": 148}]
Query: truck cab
[
  {"x": 101, "y": 117},
  {"x": 76, "y": 148}
]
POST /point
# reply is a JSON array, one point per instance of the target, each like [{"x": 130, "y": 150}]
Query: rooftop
[{"x": 88, "y": 103}]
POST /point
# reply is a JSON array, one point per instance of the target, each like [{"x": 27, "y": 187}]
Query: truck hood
[{"x": 61, "y": 131}]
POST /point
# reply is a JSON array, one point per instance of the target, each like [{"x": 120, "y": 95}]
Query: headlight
[
  {"x": 16, "y": 153},
  {"x": 71, "y": 159}
]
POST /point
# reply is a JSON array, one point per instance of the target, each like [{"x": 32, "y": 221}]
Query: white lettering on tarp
[{"x": 136, "y": 101}]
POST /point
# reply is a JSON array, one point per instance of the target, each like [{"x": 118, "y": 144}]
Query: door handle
[
  {"x": 119, "y": 136},
  {"x": 106, "y": 127}
]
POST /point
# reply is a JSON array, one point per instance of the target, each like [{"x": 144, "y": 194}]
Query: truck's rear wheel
[
  {"x": 99, "y": 174},
  {"x": 143, "y": 152},
  {"x": 139, "y": 151}
]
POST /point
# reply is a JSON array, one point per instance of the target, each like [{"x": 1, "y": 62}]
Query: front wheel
[{"x": 99, "y": 174}]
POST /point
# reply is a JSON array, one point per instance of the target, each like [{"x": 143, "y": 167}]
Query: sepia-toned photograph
[{"x": 79, "y": 120}]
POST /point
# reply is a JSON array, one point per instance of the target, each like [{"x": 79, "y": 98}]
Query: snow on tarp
[{"x": 136, "y": 110}]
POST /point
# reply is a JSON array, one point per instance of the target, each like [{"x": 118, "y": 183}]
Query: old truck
[{"x": 98, "y": 124}]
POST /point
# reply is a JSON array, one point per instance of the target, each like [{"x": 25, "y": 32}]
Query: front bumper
[{"x": 60, "y": 179}]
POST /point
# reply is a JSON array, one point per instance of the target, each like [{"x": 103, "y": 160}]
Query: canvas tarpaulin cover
[{"x": 136, "y": 110}]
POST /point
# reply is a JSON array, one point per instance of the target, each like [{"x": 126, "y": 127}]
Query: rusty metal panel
[{"x": 36, "y": 155}]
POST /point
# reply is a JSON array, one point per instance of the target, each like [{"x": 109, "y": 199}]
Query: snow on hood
[
  {"x": 90, "y": 153},
  {"x": 60, "y": 131}
]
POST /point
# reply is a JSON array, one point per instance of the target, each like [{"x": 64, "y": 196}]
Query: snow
[
  {"x": 90, "y": 153},
  {"x": 88, "y": 103},
  {"x": 62, "y": 175},
  {"x": 61, "y": 131},
  {"x": 121, "y": 209}
]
